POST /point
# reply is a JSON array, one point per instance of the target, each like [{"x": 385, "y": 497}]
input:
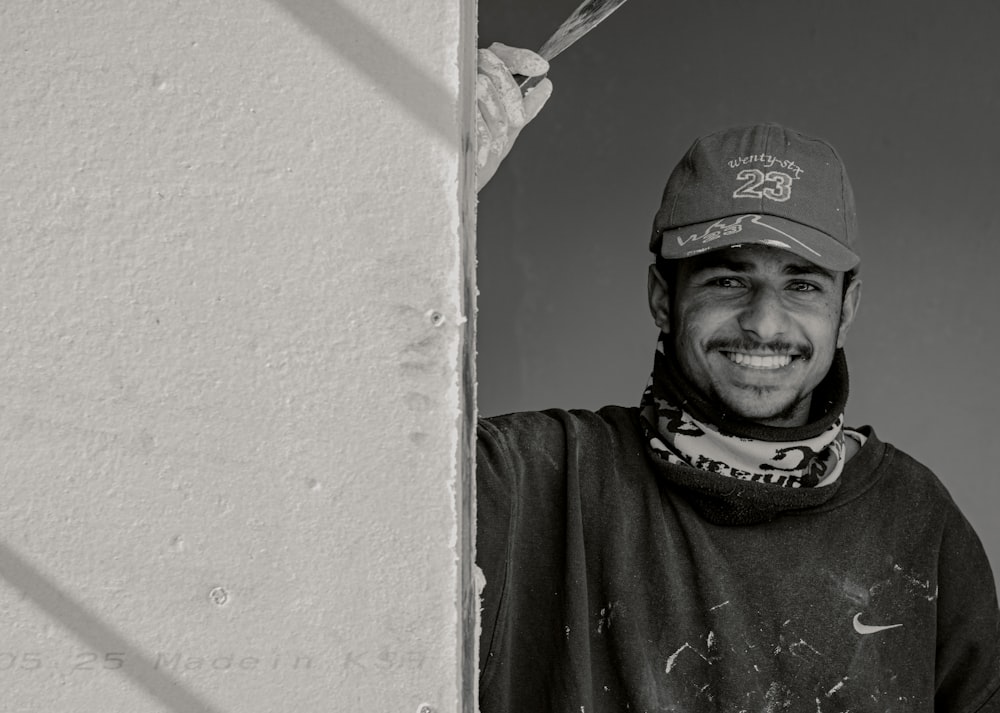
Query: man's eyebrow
[
  {"x": 733, "y": 264},
  {"x": 718, "y": 262},
  {"x": 808, "y": 268}
]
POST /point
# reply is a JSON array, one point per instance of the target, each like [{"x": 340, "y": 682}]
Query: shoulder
[
  {"x": 892, "y": 468},
  {"x": 535, "y": 451},
  {"x": 921, "y": 500},
  {"x": 606, "y": 416},
  {"x": 894, "y": 493},
  {"x": 553, "y": 428}
]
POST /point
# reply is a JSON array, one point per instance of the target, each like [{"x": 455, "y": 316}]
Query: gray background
[{"x": 909, "y": 93}]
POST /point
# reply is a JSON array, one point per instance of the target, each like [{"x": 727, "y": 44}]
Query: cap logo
[
  {"x": 716, "y": 230},
  {"x": 767, "y": 161},
  {"x": 773, "y": 185},
  {"x": 720, "y": 229}
]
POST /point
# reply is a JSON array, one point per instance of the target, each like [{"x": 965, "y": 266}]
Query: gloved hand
[{"x": 502, "y": 111}]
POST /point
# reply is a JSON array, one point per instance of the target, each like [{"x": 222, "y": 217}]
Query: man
[{"x": 728, "y": 544}]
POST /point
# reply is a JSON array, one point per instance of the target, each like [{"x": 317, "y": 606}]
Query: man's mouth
[{"x": 759, "y": 361}]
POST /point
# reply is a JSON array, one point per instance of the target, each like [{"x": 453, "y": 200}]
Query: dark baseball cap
[{"x": 762, "y": 184}]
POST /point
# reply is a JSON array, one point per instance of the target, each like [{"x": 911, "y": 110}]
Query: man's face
[{"x": 755, "y": 328}]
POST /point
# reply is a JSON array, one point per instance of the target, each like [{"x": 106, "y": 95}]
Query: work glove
[{"x": 502, "y": 110}]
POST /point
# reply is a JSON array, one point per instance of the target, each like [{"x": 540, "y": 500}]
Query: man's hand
[{"x": 502, "y": 111}]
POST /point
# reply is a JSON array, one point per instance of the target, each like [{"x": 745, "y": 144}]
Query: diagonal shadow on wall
[
  {"x": 98, "y": 636},
  {"x": 351, "y": 37}
]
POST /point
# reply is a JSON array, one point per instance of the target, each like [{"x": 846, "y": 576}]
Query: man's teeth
[{"x": 754, "y": 361}]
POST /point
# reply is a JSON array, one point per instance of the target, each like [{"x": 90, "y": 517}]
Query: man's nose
[{"x": 764, "y": 315}]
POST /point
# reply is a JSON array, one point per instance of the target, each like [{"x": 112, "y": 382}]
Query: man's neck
[{"x": 851, "y": 447}]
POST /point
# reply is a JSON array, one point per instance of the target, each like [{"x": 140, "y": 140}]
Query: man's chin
[{"x": 769, "y": 409}]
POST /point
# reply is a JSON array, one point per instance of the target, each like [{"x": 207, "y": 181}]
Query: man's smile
[{"x": 759, "y": 361}]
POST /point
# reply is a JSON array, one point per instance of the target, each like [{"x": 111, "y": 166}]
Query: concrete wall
[{"x": 232, "y": 356}]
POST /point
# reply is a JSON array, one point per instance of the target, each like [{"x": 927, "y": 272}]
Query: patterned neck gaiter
[{"x": 683, "y": 428}]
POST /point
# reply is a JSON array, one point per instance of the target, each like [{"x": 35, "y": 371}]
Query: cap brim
[{"x": 756, "y": 229}]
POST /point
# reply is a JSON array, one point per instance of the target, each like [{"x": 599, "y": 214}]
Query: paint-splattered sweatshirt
[{"x": 617, "y": 583}]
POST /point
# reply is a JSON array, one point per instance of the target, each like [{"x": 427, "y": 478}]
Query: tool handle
[{"x": 527, "y": 83}]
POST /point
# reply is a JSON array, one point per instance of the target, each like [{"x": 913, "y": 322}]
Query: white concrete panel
[{"x": 230, "y": 354}]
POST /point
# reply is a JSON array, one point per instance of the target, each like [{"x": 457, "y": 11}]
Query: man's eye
[
  {"x": 726, "y": 282},
  {"x": 802, "y": 287}
]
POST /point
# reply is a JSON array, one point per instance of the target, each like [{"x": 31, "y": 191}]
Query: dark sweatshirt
[{"x": 615, "y": 582}]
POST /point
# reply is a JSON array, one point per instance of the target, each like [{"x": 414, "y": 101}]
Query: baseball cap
[{"x": 761, "y": 184}]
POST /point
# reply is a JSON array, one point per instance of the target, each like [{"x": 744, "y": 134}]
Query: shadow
[
  {"x": 98, "y": 636},
  {"x": 349, "y": 36}
]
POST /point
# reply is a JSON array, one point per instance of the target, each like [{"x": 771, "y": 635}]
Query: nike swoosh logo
[{"x": 864, "y": 629}]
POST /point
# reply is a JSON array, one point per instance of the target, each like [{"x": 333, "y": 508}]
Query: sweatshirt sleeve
[
  {"x": 495, "y": 501},
  {"x": 520, "y": 469},
  {"x": 968, "y": 624}
]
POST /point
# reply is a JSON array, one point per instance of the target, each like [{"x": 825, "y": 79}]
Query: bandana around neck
[{"x": 683, "y": 428}]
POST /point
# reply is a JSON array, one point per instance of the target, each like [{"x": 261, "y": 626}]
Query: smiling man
[{"x": 728, "y": 544}]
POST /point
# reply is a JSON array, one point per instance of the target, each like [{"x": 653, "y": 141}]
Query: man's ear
[
  {"x": 659, "y": 299},
  {"x": 849, "y": 310}
]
